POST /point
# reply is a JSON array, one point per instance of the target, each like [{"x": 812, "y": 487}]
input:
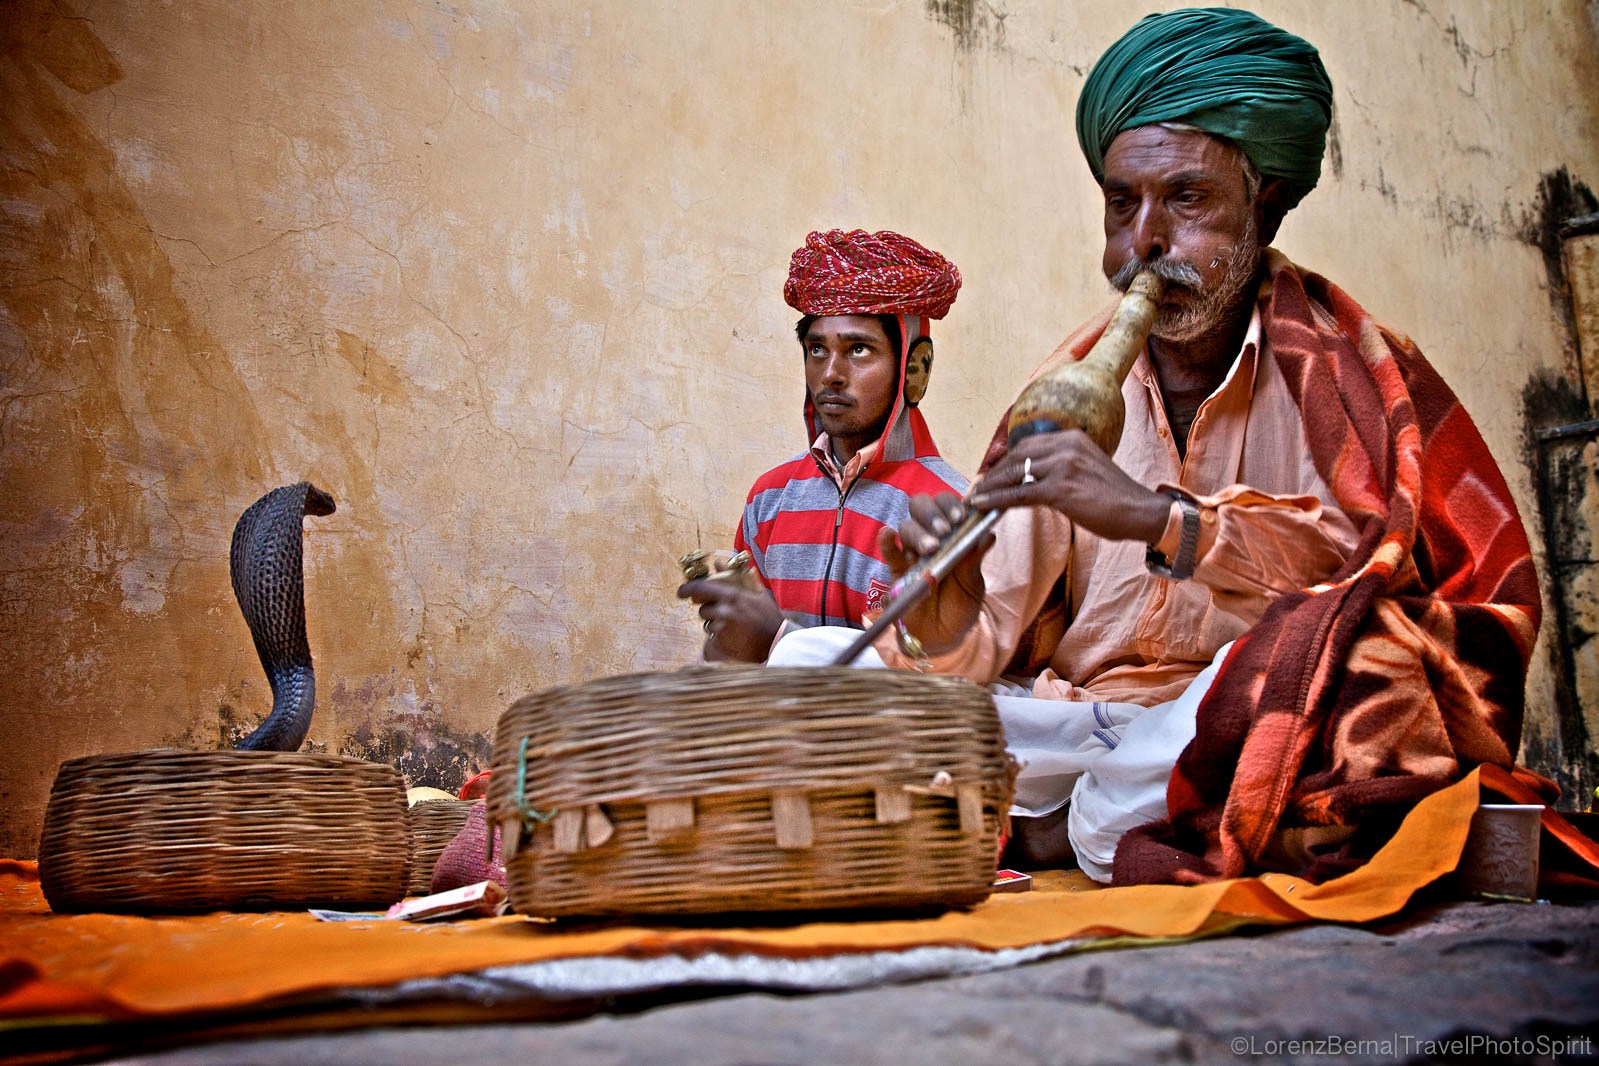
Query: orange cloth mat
[{"x": 57, "y": 969}]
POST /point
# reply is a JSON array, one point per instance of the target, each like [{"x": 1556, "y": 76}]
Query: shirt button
[
  {"x": 1161, "y": 433},
  {"x": 1208, "y": 516}
]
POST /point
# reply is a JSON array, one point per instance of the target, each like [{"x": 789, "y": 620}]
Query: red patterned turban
[{"x": 860, "y": 273}]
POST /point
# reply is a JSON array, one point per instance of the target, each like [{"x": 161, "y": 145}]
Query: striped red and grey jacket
[{"x": 814, "y": 540}]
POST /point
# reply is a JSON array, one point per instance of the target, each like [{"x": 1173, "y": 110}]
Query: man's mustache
[{"x": 1169, "y": 270}]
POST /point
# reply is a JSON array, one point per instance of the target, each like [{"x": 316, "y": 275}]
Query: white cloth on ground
[{"x": 1111, "y": 760}]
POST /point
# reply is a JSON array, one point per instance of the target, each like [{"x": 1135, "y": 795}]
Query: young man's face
[
  {"x": 1180, "y": 196},
  {"x": 852, "y": 375}
]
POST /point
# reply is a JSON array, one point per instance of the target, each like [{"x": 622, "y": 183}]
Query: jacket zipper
[{"x": 832, "y": 551}]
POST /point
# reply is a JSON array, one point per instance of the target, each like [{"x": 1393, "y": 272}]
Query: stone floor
[{"x": 1457, "y": 983}]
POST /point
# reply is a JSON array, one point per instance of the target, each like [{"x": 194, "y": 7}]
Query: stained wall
[{"x": 505, "y": 279}]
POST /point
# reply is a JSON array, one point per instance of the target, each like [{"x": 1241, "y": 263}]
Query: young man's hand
[{"x": 740, "y": 622}]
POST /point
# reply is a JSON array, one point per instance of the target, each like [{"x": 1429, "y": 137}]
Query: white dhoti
[{"x": 1111, "y": 761}]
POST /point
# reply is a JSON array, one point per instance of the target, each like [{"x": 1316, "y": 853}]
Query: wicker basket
[
  {"x": 725, "y": 789},
  {"x": 434, "y": 824},
  {"x": 182, "y": 831}
]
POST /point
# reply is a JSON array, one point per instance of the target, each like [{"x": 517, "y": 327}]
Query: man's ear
[
  {"x": 1271, "y": 204},
  {"x": 918, "y": 369}
]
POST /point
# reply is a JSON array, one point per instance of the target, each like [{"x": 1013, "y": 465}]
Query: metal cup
[{"x": 1501, "y": 855}]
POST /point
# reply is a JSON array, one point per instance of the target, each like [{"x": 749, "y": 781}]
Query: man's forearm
[
  {"x": 1032, "y": 546},
  {"x": 1254, "y": 546}
]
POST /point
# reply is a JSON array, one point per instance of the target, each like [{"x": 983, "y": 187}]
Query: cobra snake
[{"x": 269, "y": 582}]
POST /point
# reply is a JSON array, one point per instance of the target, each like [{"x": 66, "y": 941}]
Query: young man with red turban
[{"x": 811, "y": 525}]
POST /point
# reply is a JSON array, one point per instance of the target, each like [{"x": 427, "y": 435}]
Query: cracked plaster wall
[
  {"x": 505, "y": 279},
  {"x": 1571, "y": 491}
]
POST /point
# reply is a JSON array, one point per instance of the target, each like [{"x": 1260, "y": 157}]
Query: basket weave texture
[
  {"x": 434, "y": 824},
  {"x": 731, "y": 788},
  {"x": 169, "y": 831}
]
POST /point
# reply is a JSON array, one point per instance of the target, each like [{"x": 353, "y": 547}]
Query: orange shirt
[{"x": 1268, "y": 525}]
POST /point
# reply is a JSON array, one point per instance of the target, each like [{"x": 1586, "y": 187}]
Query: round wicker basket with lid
[
  {"x": 169, "y": 831},
  {"x": 731, "y": 788}
]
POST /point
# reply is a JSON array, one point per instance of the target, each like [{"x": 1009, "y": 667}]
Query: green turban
[{"x": 1226, "y": 72}]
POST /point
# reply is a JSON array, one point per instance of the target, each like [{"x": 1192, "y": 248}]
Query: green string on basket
[{"x": 529, "y": 814}]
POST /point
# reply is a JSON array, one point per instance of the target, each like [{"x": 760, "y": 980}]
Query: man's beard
[{"x": 1209, "y": 307}]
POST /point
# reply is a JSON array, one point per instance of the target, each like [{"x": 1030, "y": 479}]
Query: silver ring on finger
[{"x": 1027, "y": 471}]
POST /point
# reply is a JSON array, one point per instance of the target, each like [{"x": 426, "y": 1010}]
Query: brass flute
[{"x": 1085, "y": 394}]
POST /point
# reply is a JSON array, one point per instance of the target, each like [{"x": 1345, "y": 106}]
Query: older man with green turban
[{"x": 1298, "y": 598}]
